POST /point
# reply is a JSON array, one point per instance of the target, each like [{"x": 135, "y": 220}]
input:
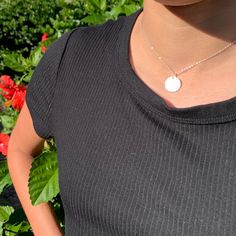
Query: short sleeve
[{"x": 40, "y": 90}]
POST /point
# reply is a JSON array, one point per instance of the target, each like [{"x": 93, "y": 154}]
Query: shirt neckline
[{"x": 217, "y": 112}]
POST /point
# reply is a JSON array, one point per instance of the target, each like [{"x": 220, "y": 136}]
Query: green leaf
[
  {"x": 103, "y": 4},
  {"x": 122, "y": 2},
  {"x": 1, "y": 228},
  {"x": 116, "y": 11},
  {"x": 94, "y": 19},
  {"x": 14, "y": 61},
  {"x": 96, "y": 3},
  {"x": 5, "y": 179},
  {"x": 43, "y": 180},
  {"x": 17, "y": 217},
  {"x": 12, "y": 230},
  {"x": 27, "y": 77},
  {"x": 35, "y": 56},
  {"x": 5, "y": 212},
  {"x": 7, "y": 121},
  {"x": 129, "y": 9}
]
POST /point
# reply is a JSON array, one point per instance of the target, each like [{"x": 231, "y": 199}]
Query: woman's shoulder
[{"x": 100, "y": 33}]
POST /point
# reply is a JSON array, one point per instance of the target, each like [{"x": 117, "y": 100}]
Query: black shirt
[{"x": 129, "y": 164}]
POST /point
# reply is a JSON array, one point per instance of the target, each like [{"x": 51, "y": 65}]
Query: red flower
[
  {"x": 15, "y": 94},
  {"x": 44, "y": 37},
  {"x": 18, "y": 98},
  {"x": 4, "y": 139},
  {"x": 44, "y": 49},
  {"x": 7, "y": 86}
]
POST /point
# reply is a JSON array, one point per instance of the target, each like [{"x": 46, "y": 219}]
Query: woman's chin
[{"x": 178, "y": 2}]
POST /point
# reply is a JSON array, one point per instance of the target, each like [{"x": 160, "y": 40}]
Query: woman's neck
[{"x": 186, "y": 34}]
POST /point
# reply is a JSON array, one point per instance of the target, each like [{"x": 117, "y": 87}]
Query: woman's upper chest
[{"x": 212, "y": 81}]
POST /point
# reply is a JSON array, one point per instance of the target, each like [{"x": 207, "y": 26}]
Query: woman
[{"x": 145, "y": 143}]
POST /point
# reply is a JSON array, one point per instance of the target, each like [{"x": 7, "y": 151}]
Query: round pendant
[{"x": 172, "y": 83}]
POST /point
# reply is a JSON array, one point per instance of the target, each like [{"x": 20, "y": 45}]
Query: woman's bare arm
[{"x": 23, "y": 145}]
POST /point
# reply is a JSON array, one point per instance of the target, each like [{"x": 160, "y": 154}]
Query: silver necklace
[{"x": 173, "y": 83}]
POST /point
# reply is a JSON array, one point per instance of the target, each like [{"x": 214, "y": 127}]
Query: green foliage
[
  {"x": 5, "y": 212},
  {"x": 43, "y": 179},
  {"x": 14, "y": 222},
  {"x": 22, "y": 24},
  {"x": 22, "y": 65},
  {"x": 5, "y": 179},
  {"x": 21, "y": 21}
]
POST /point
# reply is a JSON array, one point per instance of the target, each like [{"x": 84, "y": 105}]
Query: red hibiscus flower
[
  {"x": 4, "y": 139},
  {"x": 15, "y": 94},
  {"x": 7, "y": 86},
  {"x": 43, "y": 49},
  {"x": 44, "y": 38},
  {"x": 18, "y": 98}
]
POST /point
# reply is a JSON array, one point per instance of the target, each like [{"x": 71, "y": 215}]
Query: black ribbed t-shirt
[{"x": 129, "y": 164}]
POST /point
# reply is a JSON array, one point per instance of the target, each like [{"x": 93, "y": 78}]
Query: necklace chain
[{"x": 187, "y": 67}]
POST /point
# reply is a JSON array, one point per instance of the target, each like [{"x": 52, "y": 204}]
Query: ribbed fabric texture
[{"x": 129, "y": 165}]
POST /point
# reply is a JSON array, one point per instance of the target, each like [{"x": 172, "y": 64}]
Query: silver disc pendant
[{"x": 172, "y": 83}]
